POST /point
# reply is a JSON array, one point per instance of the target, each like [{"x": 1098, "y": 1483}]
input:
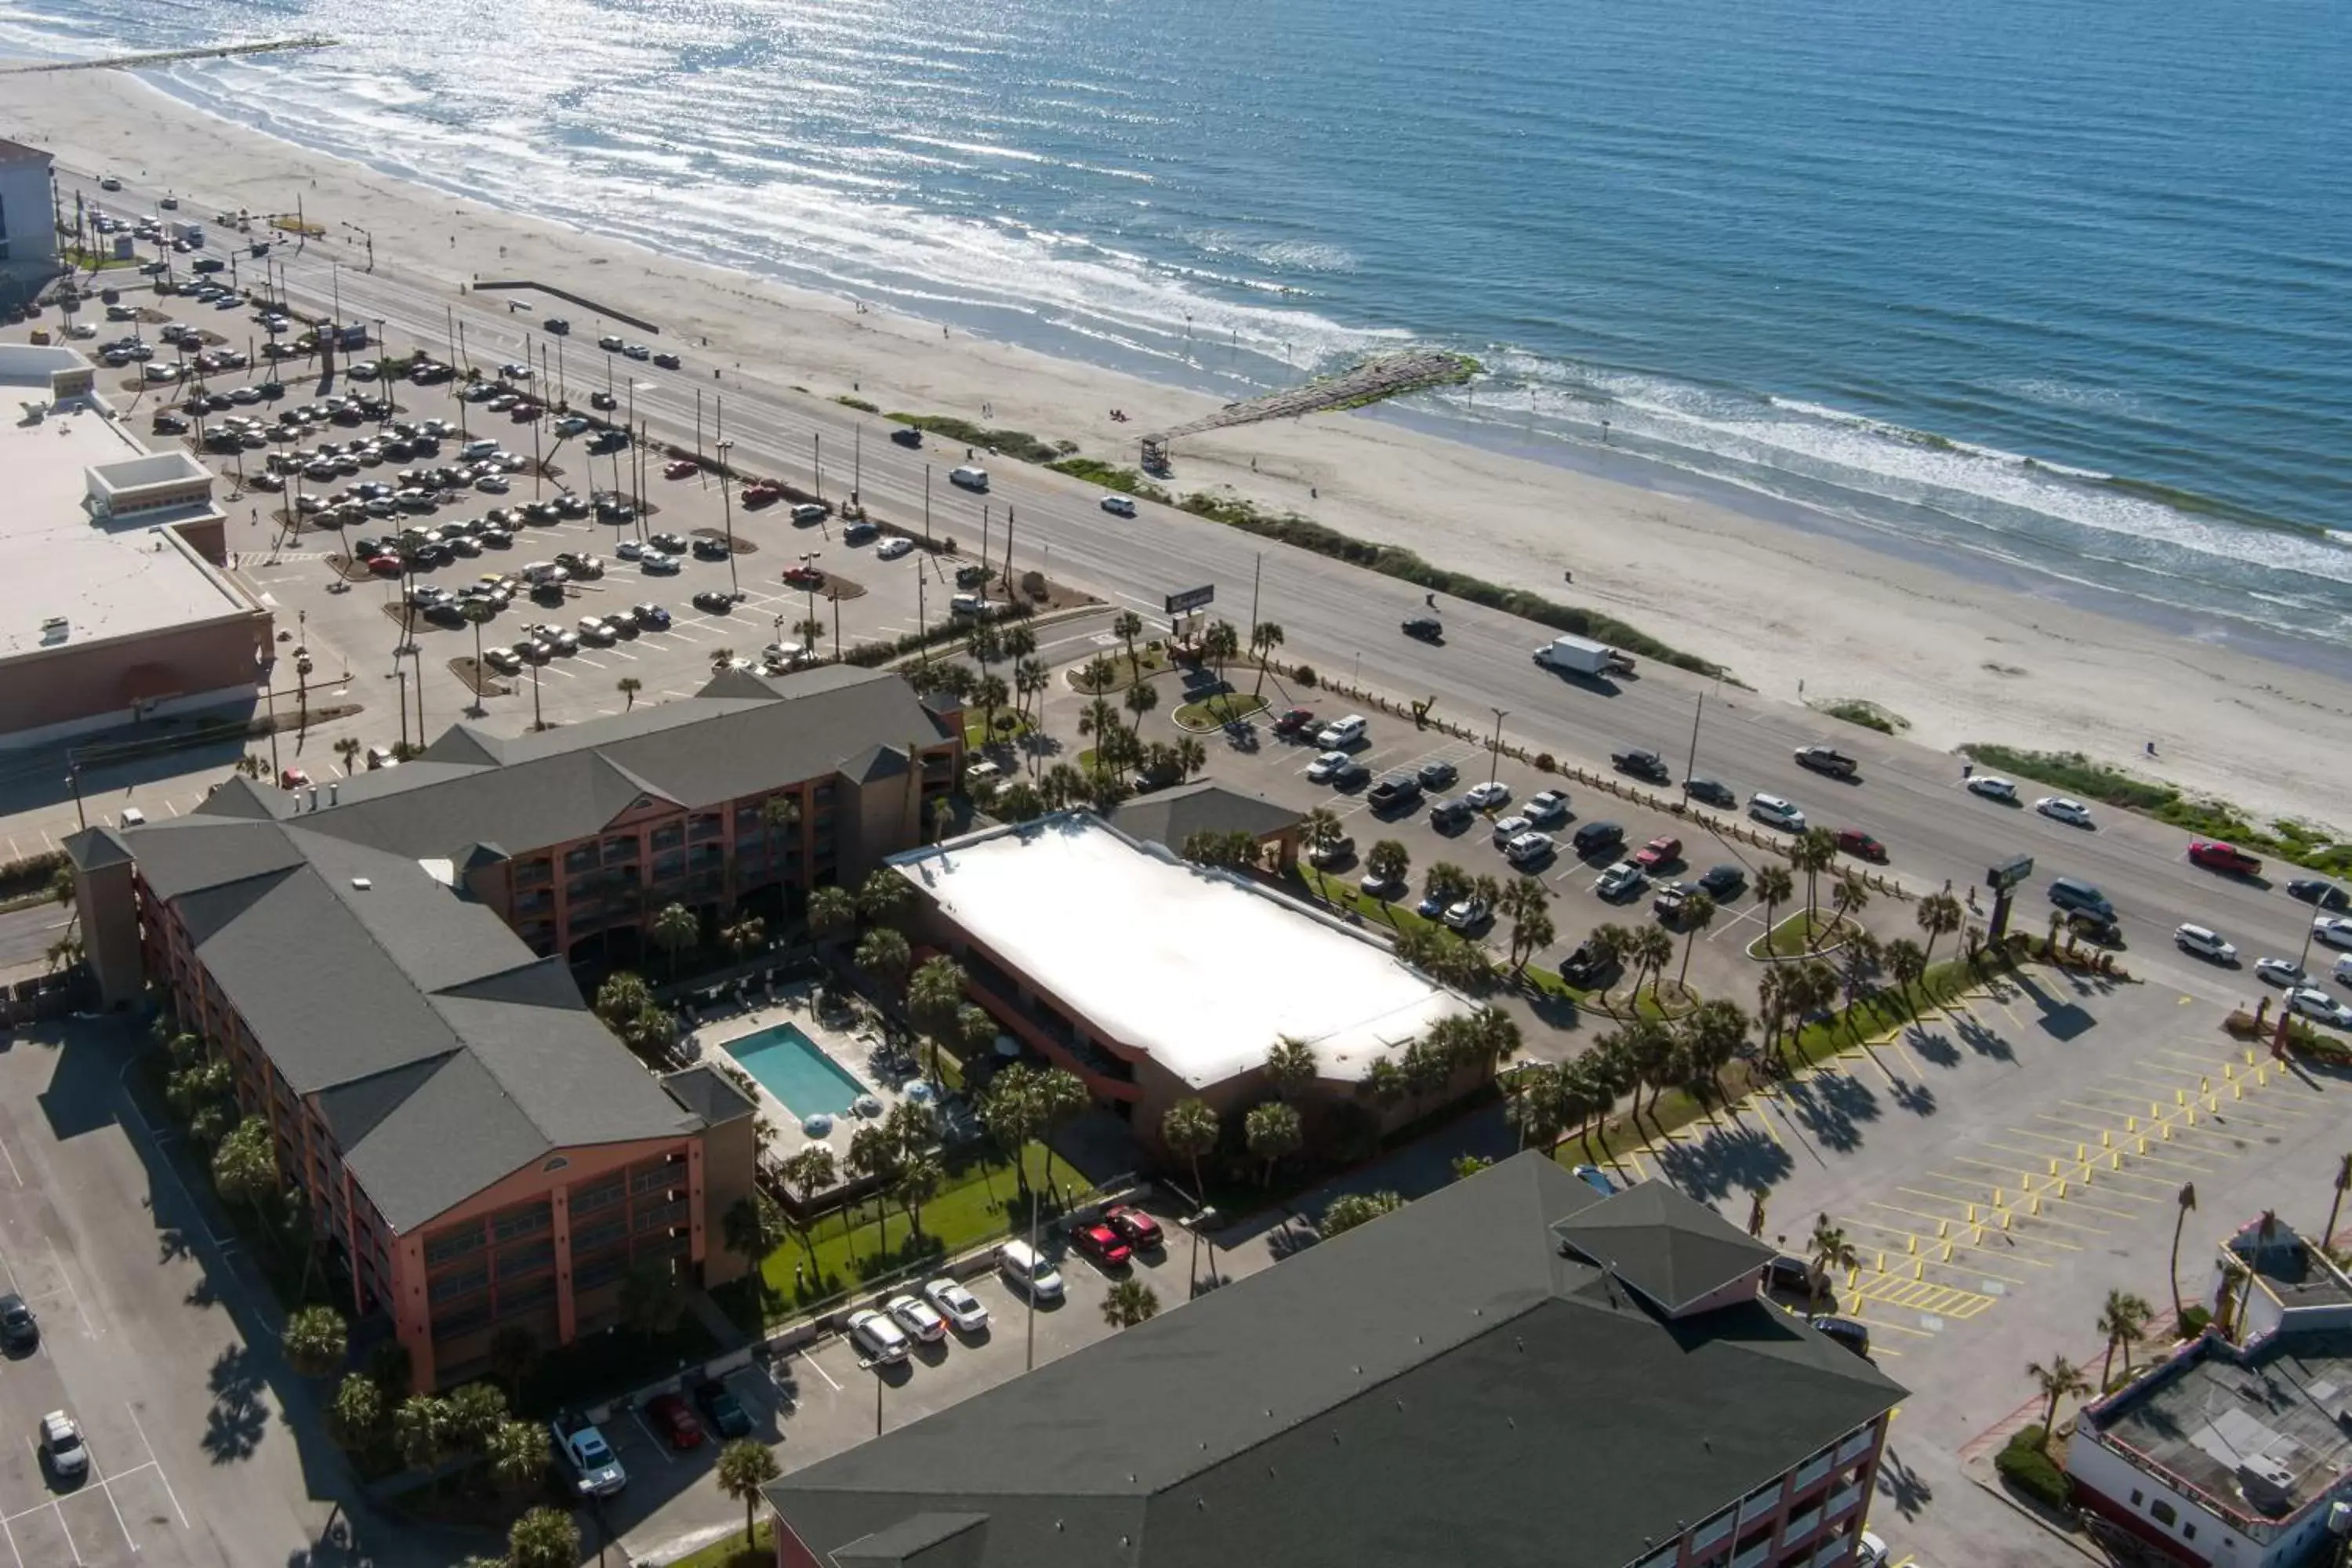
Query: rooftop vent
[{"x": 361, "y": 883}]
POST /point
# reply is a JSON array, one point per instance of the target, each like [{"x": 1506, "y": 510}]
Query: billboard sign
[{"x": 1191, "y": 599}]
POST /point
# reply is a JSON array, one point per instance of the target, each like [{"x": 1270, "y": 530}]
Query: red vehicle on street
[
  {"x": 2215, "y": 856},
  {"x": 682, "y": 469},
  {"x": 293, "y": 778},
  {"x": 667, "y": 1414},
  {"x": 1854, "y": 841}
]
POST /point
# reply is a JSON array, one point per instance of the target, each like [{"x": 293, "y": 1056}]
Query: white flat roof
[
  {"x": 1205, "y": 970},
  {"x": 107, "y": 579}
]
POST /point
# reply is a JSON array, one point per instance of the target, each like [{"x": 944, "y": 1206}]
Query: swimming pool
[{"x": 789, "y": 1066}]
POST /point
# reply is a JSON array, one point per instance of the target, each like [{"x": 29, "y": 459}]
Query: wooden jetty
[
  {"x": 1374, "y": 380},
  {"x": 173, "y": 56}
]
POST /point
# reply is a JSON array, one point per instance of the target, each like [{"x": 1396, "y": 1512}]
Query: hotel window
[
  {"x": 515, "y": 1223},
  {"x": 621, "y": 849},
  {"x": 455, "y": 1286},
  {"x": 451, "y": 1245},
  {"x": 2162, "y": 1512},
  {"x": 530, "y": 1258},
  {"x": 669, "y": 835},
  {"x": 588, "y": 1238},
  {"x": 601, "y": 1195},
  {"x": 578, "y": 859}
]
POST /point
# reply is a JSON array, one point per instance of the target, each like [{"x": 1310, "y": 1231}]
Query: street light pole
[
  {"x": 726, "y": 502},
  {"x": 1029, "y": 1293},
  {"x": 2313, "y": 929},
  {"x": 1495, "y": 753},
  {"x": 1692, "y": 766}
]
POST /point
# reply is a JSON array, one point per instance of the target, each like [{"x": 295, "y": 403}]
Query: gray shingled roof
[
  {"x": 744, "y": 734},
  {"x": 1673, "y": 1250},
  {"x": 1443, "y": 1384},
  {"x": 704, "y": 1090},
  {"x": 1170, "y": 816}
]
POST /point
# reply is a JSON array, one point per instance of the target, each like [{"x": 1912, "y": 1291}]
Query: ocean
[{"x": 2064, "y": 284}]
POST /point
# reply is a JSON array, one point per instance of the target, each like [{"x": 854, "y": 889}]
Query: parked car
[
  {"x": 1507, "y": 828},
  {"x": 893, "y": 547},
  {"x": 1546, "y": 806},
  {"x": 1661, "y": 851},
  {"x": 1395, "y": 792},
  {"x": 1588, "y": 965},
  {"x": 1621, "y": 881},
  {"x": 2334, "y": 930},
  {"x": 1721, "y": 882},
  {"x": 1294, "y": 721},
  {"x": 1342, "y": 732},
  {"x": 19, "y": 1329},
  {"x": 1322, "y": 768},
  {"x": 957, "y": 1305},
  {"x": 2313, "y": 1002},
  {"x": 1845, "y": 1331},
  {"x": 1776, "y": 812},
  {"x": 62, "y": 1450},
  {"x": 921, "y": 1320},
  {"x": 1529, "y": 849},
  {"x": 1596, "y": 838},
  {"x": 1449, "y": 814},
  {"x": 1118, "y": 505},
  {"x": 1138, "y": 1229},
  {"x": 1101, "y": 1243},
  {"x": 2283, "y": 972},
  {"x": 666, "y": 1414},
  {"x": 1027, "y": 1269},
  {"x": 1488, "y": 795},
  {"x": 876, "y": 1336},
  {"x": 1438, "y": 774},
  {"x": 1467, "y": 914},
  {"x": 680, "y": 468}
]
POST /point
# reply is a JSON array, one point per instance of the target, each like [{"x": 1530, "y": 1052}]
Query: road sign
[
  {"x": 2003, "y": 874},
  {"x": 1191, "y": 599}
]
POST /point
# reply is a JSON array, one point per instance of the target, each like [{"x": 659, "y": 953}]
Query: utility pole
[
  {"x": 726, "y": 502},
  {"x": 816, "y": 459},
  {"x": 398, "y": 674},
  {"x": 857, "y": 462},
  {"x": 418, "y": 656},
  {"x": 1691, "y": 767},
  {"x": 1008, "y": 549},
  {"x": 926, "y": 504},
  {"x": 697, "y": 420},
  {"x": 1495, "y": 755},
  {"x": 1256, "y": 573}
]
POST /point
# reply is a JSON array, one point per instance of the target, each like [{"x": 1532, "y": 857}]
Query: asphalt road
[{"x": 1344, "y": 619}]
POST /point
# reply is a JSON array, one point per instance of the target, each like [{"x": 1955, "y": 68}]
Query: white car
[
  {"x": 571, "y": 425},
  {"x": 1871, "y": 1553},
  {"x": 1529, "y": 848},
  {"x": 1481, "y": 797},
  {"x": 2204, "y": 942},
  {"x": 2061, "y": 808},
  {"x": 61, "y": 1445},
  {"x": 1546, "y": 806},
  {"x": 1118, "y": 506},
  {"x": 1320, "y": 770},
  {"x": 1467, "y": 914},
  {"x": 2333, "y": 930},
  {"x": 876, "y": 1336},
  {"x": 918, "y": 1317},
  {"x": 2313, "y": 1002},
  {"x": 1509, "y": 828},
  {"x": 2281, "y": 971},
  {"x": 1343, "y": 731},
  {"x": 892, "y": 548},
  {"x": 784, "y": 653},
  {"x": 657, "y": 563},
  {"x": 630, "y": 550},
  {"x": 1776, "y": 812},
  {"x": 1992, "y": 786},
  {"x": 1621, "y": 881},
  {"x": 638, "y": 351},
  {"x": 493, "y": 484},
  {"x": 957, "y": 1305}
]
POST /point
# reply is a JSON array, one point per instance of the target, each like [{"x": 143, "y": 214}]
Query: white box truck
[
  {"x": 1582, "y": 656},
  {"x": 178, "y": 228}
]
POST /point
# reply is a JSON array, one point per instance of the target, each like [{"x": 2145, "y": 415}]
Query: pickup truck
[
  {"x": 593, "y": 1463},
  {"x": 1826, "y": 760},
  {"x": 1644, "y": 764}
]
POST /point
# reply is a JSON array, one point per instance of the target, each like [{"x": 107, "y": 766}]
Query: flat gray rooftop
[{"x": 106, "y": 580}]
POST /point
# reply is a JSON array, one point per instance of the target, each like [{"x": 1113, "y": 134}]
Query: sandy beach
[{"x": 1959, "y": 658}]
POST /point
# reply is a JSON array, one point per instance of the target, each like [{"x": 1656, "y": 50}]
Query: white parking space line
[
  {"x": 139, "y": 1428},
  {"x": 645, "y": 1427},
  {"x": 820, "y": 1370},
  {"x": 12, "y": 1162},
  {"x": 104, "y": 1485},
  {"x": 11, "y": 1536}
]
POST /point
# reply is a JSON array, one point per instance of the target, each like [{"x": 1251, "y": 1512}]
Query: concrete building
[
  {"x": 391, "y": 988},
  {"x": 113, "y": 605},
  {"x": 1156, "y": 980},
  {"x": 28, "y": 222},
  {"x": 1512, "y": 1371},
  {"x": 2233, "y": 1455}
]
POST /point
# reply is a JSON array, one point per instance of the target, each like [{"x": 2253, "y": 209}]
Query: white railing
[
  {"x": 1758, "y": 1504},
  {"x": 1707, "y": 1534},
  {"x": 1800, "y": 1526},
  {"x": 1754, "y": 1554}
]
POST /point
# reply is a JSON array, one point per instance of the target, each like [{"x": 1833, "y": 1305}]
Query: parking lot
[{"x": 823, "y": 1399}]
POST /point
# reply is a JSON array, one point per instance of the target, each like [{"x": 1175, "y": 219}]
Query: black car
[
  {"x": 2327, "y": 895},
  {"x": 1722, "y": 881},
  {"x": 858, "y": 532},
  {"x": 169, "y": 424},
  {"x": 715, "y": 599},
  {"x": 1447, "y": 815},
  {"x": 1794, "y": 1275},
  {"x": 1437, "y": 775},
  {"x": 1597, "y": 839},
  {"x": 1640, "y": 763},
  {"x": 1588, "y": 965},
  {"x": 710, "y": 549},
  {"x": 1395, "y": 792},
  {"x": 1349, "y": 775},
  {"x": 559, "y": 326},
  {"x": 667, "y": 361},
  {"x": 669, "y": 543},
  {"x": 603, "y": 400},
  {"x": 1714, "y": 792},
  {"x": 722, "y": 1409},
  {"x": 1425, "y": 627},
  {"x": 907, "y": 435},
  {"x": 18, "y": 1329},
  {"x": 1853, "y": 1336}
]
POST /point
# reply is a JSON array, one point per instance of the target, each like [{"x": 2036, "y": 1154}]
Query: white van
[
  {"x": 1777, "y": 812},
  {"x": 1023, "y": 1266},
  {"x": 970, "y": 478}
]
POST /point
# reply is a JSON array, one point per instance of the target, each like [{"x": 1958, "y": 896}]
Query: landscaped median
[{"x": 1216, "y": 712}]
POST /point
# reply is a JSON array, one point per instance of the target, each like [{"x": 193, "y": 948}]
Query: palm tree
[
  {"x": 628, "y": 685},
  {"x": 516, "y": 1452},
  {"x": 934, "y": 999},
  {"x": 356, "y": 1413},
  {"x": 744, "y": 1467},
  {"x": 1771, "y": 1008},
  {"x": 2342, "y": 1182},
  {"x": 1273, "y": 1132},
  {"x": 1650, "y": 1049},
  {"x": 2124, "y": 1322},
  {"x": 1126, "y": 626},
  {"x": 1862, "y": 961},
  {"x": 1191, "y": 756},
  {"x": 1831, "y": 1254},
  {"x": 1773, "y": 886},
  {"x": 1129, "y": 1301},
  {"x": 1852, "y": 896},
  {"x": 421, "y": 1426},
  {"x": 245, "y": 1166},
  {"x": 883, "y": 897},
  {"x": 1813, "y": 852},
  {"x": 917, "y": 1184},
  {"x": 316, "y": 1341},
  {"x": 832, "y": 912},
  {"x": 1939, "y": 914},
  {"x": 990, "y": 696},
  {"x": 1534, "y": 1107},
  {"x": 1906, "y": 961},
  {"x": 1531, "y": 932},
  {"x": 1291, "y": 1068},
  {"x": 1190, "y": 1129},
  {"x": 475, "y": 1412},
  {"x": 883, "y": 957},
  {"x": 1265, "y": 638},
  {"x": 1221, "y": 642},
  {"x": 349, "y": 750},
  {"x": 1652, "y": 948},
  {"x": 1388, "y": 860},
  {"x": 1012, "y": 1115},
  {"x": 675, "y": 930},
  {"x": 1061, "y": 1096},
  {"x": 2059, "y": 1379},
  {"x": 1697, "y": 913},
  {"x": 1030, "y": 678},
  {"x": 2184, "y": 1201},
  {"x": 543, "y": 1538},
  {"x": 1321, "y": 830},
  {"x": 874, "y": 1156}
]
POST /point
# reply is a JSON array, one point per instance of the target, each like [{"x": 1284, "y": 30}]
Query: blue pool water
[{"x": 790, "y": 1067}]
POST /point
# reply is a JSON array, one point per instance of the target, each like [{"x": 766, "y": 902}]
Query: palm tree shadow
[
  {"x": 236, "y": 1424},
  {"x": 1903, "y": 1486},
  {"x": 1933, "y": 1046},
  {"x": 1727, "y": 1160},
  {"x": 1829, "y": 1106},
  {"x": 1982, "y": 1040},
  {"x": 1916, "y": 1097}
]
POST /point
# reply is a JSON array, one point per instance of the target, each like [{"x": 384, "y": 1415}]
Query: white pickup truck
[{"x": 593, "y": 1461}]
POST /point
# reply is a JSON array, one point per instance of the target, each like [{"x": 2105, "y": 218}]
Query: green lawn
[
  {"x": 1225, "y": 708},
  {"x": 1010, "y": 727},
  {"x": 1793, "y": 936},
  {"x": 979, "y": 1202},
  {"x": 1124, "y": 670},
  {"x": 732, "y": 1554}
]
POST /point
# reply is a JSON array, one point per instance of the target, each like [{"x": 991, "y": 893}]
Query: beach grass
[
  {"x": 1869, "y": 715},
  {"x": 1017, "y": 444},
  {"x": 1110, "y": 476},
  {"x": 2286, "y": 840}
]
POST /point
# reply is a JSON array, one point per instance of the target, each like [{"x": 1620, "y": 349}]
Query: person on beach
[{"x": 2151, "y": 748}]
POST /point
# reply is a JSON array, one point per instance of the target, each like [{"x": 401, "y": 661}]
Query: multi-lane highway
[{"x": 1344, "y": 620}]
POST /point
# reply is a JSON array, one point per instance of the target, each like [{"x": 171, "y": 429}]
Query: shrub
[
  {"x": 2025, "y": 1464},
  {"x": 1869, "y": 715},
  {"x": 2195, "y": 1321},
  {"x": 1033, "y": 584},
  {"x": 1111, "y": 476},
  {"x": 859, "y": 403},
  {"x": 1546, "y": 763},
  {"x": 1304, "y": 675}
]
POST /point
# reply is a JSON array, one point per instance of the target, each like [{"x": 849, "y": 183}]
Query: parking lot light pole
[
  {"x": 1198, "y": 1221},
  {"x": 2320, "y": 903},
  {"x": 1495, "y": 751},
  {"x": 1029, "y": 1292},
  {"x": 726, "y": 503}
]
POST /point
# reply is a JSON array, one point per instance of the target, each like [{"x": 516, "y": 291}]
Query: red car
[
  {"x": 684, "y": 468},
  {"x": 1295, "y": 721},
  {"x": 762, "y": 492},
  {"x": 293, "y": 778},
  {"x": 1658, "y": 852},
  {"x": 803, "y": 576},
  {"x": 667, "y": 1414},
  {"x": 2215, "y": 855},
  {"x": 384, "y": 566},
  {"x": 1138, "y": 1229},
  {"x": 1101, "y": 1243},
  {"x": 1854, "y": 841},
  {"x": 523, "y": 413}
]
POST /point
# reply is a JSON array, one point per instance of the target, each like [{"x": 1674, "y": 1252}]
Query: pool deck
[{"x": 852, "y": 1046}]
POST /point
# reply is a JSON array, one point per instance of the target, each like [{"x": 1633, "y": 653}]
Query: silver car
[{"x": 876, "y": 1336}]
